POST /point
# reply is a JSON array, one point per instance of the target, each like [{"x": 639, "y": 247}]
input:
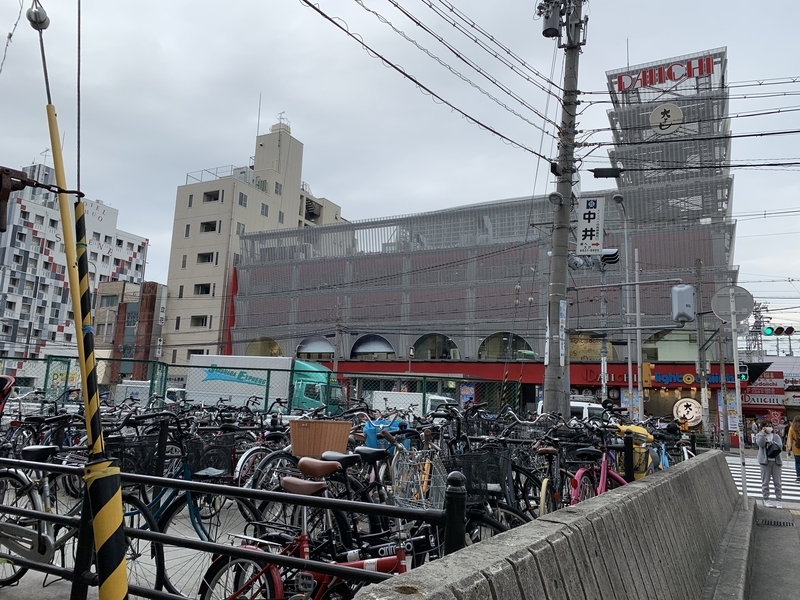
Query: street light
[
  {"x": 410, "y": 356},
  {"x": 619, "y": 200}
]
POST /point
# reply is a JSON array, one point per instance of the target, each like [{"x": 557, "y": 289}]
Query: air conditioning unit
[{"x": 455, "y": 354}]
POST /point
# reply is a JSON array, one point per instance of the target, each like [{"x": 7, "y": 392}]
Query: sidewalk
[{"x": 776, "y": 546}]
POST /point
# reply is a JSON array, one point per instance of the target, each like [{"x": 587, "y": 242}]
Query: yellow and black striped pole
[{"x": 103, "y": 486}]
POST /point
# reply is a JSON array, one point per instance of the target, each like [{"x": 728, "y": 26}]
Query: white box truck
[{"x": 236, "y": 378}]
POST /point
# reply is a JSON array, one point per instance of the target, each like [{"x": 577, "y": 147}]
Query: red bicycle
[
  {"x": 244, "y": 578},
  {"x": 598, "y": 477}
]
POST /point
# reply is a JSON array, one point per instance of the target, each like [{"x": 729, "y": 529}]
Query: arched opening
[
  {"x": 263, "y": 346},
  {"x": 502, "y": 346},
  {"x": 315, "y": 347},
  {"x": 372, "y": 347},
  {"x": 436, "y": 346}
]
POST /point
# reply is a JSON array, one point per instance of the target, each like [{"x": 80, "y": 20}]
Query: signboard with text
[{"x": 590, "y": 226}]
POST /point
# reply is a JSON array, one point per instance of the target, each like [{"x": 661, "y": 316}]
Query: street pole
[
  {"x": 701, "y": 352},
  {"x": 604, "y": 341},
  {"x": 639, "y": 383},
  {"x": 620, "y": 202},
  {"x": 723, "y": 390},
  {"x": 556, "y": 375},
  {"x": 735, "y": 336}
]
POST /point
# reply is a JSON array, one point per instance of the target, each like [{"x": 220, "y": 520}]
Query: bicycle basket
[
  {"x": 211, "y": 452},
  {"x": 486, "y": 472},
  {"x": 135, "y": 455},
  {"x": 419, "y": 479}
]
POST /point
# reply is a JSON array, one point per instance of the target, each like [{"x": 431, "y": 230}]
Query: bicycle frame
[{"x": 601, "y": 473}]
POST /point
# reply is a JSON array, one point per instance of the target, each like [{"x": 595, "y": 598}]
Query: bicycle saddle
[
  {"x": 312, "y": 467},
  {"x": 589, "y": 454},
  {"x": 39, "y": 453},
  {"x": 371, "y": 455},
  {"x": 295, "y": 485},
  {"x": 346, "y": 460}
]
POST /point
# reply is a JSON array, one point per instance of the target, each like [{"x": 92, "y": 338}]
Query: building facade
[
  {"x": 213, "y": 210},
  {"x": 471, "y": 283},
  {"x": 38, "y": 319}
]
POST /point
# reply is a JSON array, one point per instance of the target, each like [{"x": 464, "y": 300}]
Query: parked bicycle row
[{"x": 514, "y": 469}]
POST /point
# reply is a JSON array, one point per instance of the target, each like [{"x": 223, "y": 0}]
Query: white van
[{"x": 578, "y": 409}]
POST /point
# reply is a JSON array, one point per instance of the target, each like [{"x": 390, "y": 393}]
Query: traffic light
[
  {"x": 744, "y": 372},
  {"x": 778, "y": 330}
]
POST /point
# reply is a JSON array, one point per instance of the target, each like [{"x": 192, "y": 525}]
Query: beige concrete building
[{"x": 212, "y": 210}]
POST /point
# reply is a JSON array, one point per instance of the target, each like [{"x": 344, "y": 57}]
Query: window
[
  {"x": 92, "y": 255},
  {"x": 183, "y": 261},
  {"x": 242, "y": 199},
  {"x": 191, "y": 197},
  {"x": 130, "y": 246},
  {"x": 211, "y": 196},
  {"x": 11, "y": 305},
  {"x": 262, "y": 184},
  {"x": 193, "y": 352},
  {"x": 61, "y": 248},
  {"x": 24, "y": 215},
  {"x": 52, "y": 336},
  {"x": 105, "y": 259},
  {"x": 199, "y": 321},
  {"x": 38, "y": 219},
  {"x": 17, "y": 259},
  {"x": 67, "y": 337},
  {"x": 202, "y": 289},
  {"x": 236, "y": 258},
  {"x": 54, "y": 224},
  {"x": 55, "y": 312},
  {"x": 239, "y": 228},
  {"x": 264, "y": 210},
  {"x": 177, "y": 323},
  {"x": 21, "y": 236},
  {"x": 278, "y": 188},
  {"x": 207, "y": 227},
  {"x": 119, "y": 243},
  {"x": 205, "y": 257},
  {"x": 180, "y": 291},
  {"x": 116, "y": 262},
  {"x": 280, "y": 217},
  {"x": 107, "y": 239},
  {"x": 109, "y": 300},
  {"x": 186, "y": 233},
  {"x": 174, "y": 356},
  {"x": 140, "y": 248},
  {"x": 44, "y": 288}
]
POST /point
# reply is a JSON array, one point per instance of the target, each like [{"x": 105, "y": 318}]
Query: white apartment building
[
  {"x": 37, "y": 316},
  {"x": 212, "y": 210}
]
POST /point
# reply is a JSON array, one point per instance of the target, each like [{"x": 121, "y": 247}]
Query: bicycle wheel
[
  {"x": 547, "y": 498},
  {"x": 586, "y": 487},
  {"x": 509, "y": 516},
  {"x": 526, "y": 490},
  {"x": 268, "y": 475},
  {"x": 481, "y": 526},
  {"x": 209, "y": 518},
  {"x": 251, "y": 579},
  {"x": 14, "y": 491},
  {"x": 145, "y": 559}
]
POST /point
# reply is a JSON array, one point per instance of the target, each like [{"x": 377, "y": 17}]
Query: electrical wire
[
  {"x": 9, "y": 36},
  {"x": 416, "y": 82}
]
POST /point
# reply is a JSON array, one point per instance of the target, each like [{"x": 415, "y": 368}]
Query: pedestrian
[
  {"x": 754, "y": 431},
  {"x": 785, "y": 431},
  {"x": 770, "y": 466},
  {"x": 793, "y": 445}
]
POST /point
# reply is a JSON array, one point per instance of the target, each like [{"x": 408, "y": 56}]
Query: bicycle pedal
[{"x": 304, "y": 582}]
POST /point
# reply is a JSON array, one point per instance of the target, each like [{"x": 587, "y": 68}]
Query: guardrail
[{"x": 452, "y": 518}]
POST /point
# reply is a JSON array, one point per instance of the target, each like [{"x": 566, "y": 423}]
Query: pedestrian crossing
[{"x": 791, "y": 490}]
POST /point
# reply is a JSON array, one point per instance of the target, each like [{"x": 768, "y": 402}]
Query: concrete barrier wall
[{"x": 656, "y": 537}]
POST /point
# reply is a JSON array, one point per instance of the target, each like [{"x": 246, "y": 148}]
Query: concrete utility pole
[{"x": 556, "y": 374}]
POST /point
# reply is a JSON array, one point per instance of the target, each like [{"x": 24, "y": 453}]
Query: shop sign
[
  {"x": 762, "y": 399},
  {"x": 675, "y": 72},
  {"x": 791, "y": 399}
]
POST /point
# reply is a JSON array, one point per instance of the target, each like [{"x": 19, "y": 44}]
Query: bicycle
[
  {"x": 230, "y": 579},
  {"x": 43, "y": 541},
  {"x": 599, "y": 476}
]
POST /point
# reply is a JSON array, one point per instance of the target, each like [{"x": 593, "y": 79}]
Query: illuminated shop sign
[{"x": 675, "y": 72}]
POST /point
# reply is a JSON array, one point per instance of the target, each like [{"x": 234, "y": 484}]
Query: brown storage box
[{"x": 312, "y": 438}]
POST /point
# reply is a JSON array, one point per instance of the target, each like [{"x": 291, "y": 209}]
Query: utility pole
[
  {"x": 701, "y": 348},
  {"x": 556, "y": 375}
]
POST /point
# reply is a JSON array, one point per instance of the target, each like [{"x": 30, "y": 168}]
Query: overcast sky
[{"x": 171, "y": 87}]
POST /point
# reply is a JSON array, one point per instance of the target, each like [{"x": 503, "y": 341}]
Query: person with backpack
[
  {"x": 793, "y": 445},
  {"x": 770, "y": 446}
]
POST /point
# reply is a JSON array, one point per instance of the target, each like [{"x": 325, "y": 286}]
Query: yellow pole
[{"x": 102, "y": 478}]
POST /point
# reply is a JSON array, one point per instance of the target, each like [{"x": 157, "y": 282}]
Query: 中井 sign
[{"x": 590, "y": 225}]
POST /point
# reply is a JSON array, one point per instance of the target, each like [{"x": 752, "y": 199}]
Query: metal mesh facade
[{"x": 475, "y": 273}]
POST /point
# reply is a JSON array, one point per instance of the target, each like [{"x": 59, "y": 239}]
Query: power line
[
  {"x": 416, "y": 82},
  {"x": 481, "y": 72}
]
